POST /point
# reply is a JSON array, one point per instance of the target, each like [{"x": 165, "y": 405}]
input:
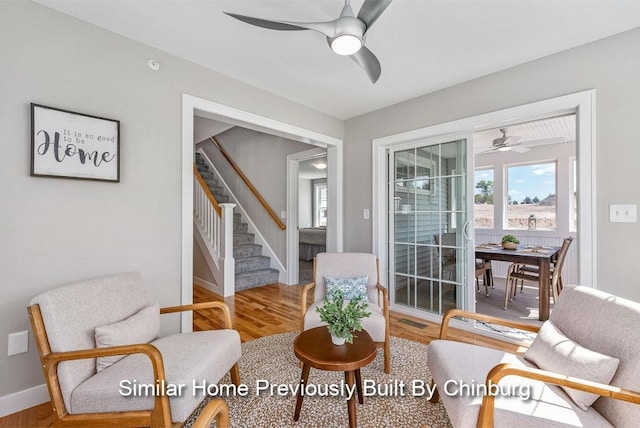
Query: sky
[{"x": 525, "y": 180}]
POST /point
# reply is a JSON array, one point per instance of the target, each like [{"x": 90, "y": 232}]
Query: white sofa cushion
[
  {"x": 373, "y": 324},
  {"x": 188, "y": 357},
  {"x": 468, "y": 364},
  {"x": 141, "y": 327},
  {"x": 551, "y": 350}
]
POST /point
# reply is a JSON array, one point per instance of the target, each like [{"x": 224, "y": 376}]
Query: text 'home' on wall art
[{"x": 74, "y": 145}]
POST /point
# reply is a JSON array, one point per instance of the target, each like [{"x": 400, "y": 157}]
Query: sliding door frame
[{"x": 583, "y": 104}]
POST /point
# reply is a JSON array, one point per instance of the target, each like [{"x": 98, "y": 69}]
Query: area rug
[{"x": 271, "y": 361}]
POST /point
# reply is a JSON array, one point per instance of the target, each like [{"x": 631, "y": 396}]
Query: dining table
[{"x": 541, "y": 256}]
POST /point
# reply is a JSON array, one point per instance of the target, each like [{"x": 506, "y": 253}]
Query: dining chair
[
  {"x": 448, "y": 261},
  {"x": 523, "y": 273},
  {"x": 483, "y": 270},
  {"x": 445, "y": 243}
]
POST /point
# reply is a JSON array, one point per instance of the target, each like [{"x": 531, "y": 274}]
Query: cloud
[
  {"x": 519, "y": 181},
  {"x": 544, "y": 169},
  {"x": 514, "y": 193}
]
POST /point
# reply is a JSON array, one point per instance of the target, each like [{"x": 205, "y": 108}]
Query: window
[
  {"x": 483, "y": 198},
  {"x": 320, "y": 204},
  {"x": 531, "y": 194}
]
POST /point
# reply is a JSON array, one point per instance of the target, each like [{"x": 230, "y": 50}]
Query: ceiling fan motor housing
[{"x": 348, "y": 27}]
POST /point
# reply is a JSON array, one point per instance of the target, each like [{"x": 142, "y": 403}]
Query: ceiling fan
[
  {"x": 345, "y": 34},
  {"x": 506, "y": 143}
]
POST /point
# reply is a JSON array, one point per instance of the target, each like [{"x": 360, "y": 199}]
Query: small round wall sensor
[{"x": 154, "y": 65}]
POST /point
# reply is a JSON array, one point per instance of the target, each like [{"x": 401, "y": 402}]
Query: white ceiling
[
  {"x": 555, "y": 130},
  {"x": 423, "y": 45},
  {"x": 310, "y": 172}
]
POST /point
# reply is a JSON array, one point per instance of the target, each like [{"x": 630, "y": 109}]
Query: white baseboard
[
  {"x": 24, "y": 399},
  {"x": 206, "y": 284}
]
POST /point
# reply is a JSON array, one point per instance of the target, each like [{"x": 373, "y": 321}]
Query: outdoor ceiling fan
[
  {"x": 345, "y": 34},
  {"x": 506, "y": 143}
]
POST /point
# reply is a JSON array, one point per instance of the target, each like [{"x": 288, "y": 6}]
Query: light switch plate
[
  {"x": 622, "y": 213},
  {"x": 18, "y": 342},
  {"x": 365, "y": 214}
]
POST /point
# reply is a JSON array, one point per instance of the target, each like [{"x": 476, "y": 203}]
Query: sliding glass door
[{"x": 430, "y": 237}]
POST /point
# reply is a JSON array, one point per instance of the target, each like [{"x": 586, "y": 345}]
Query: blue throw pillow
[{"x": 350, "y": 287}]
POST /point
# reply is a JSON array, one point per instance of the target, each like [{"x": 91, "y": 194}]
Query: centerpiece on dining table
[{"x": 510, "y": 242}]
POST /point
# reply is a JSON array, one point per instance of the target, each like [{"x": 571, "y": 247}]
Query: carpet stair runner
[{"x": 252, "y": 268}]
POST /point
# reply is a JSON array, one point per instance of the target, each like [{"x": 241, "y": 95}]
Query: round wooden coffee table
[{"x": 314, "y": 348}]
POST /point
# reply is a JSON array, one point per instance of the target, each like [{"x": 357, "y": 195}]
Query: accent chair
[
  {"x": 349, "y": 266},
  {"x": 581, "y": 370},
  {"x": 94, "y": 335}
]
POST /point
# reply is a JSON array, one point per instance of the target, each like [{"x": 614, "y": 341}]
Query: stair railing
[
  {"x": 251, "y": 187},
  {"x": 215, "y": 223}
]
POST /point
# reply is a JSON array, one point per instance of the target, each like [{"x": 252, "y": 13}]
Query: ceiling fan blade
[
  {"x": 326, "y": 28},
  {"x": 369, "y": 63},
  {"x": 484, "y": 152},
  {"x": 371, "y": 11},
  {"x": 519, "y": 148}
]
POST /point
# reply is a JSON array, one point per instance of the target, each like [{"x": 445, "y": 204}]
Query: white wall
[
  {"x": 611, "y": 66},
  {"x": 305, "y": 203},
  {"x": 55, "y": 231}
]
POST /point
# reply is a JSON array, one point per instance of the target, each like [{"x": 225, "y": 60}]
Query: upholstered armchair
[
  {"x": 216, "y": 410},
  {"x": 351, "y": 266},
  {"x": 581, "y": 370},
  {"x": 104, "y": 364}
]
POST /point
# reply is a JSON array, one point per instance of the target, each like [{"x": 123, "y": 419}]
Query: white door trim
[
  {"x": 581, "y": 103},
  {"x": 192, "y": 106}
]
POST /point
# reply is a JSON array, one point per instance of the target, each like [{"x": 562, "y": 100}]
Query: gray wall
[
  {"x": 263, "y": 159},
  {"x": 200, "y": 267},
  {"x": 305, "y": 203},
  {"x": 55, "y": 231},
  {"x": 611, "y": 66}
]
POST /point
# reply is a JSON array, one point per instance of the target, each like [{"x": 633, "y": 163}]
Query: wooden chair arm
[
  {"x": 50, "y": 363},
  {"x": 204, "y": 305},
  {"x": 485, "y": 418},
  {"x": 217, "y": 409},
  {"x": 481, "y": 317},
  {"x": 385, "y": 295},
  {"x": 139, "y": 348},
  {"x": 303, "y": 305}
]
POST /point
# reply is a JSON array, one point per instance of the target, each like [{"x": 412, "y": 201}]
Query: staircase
[{"x": 252, "y": 268}]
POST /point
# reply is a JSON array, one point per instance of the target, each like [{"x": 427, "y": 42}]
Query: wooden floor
[{"x": 265, "y": 311}]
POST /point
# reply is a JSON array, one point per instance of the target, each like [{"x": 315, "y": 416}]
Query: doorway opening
[
  {"x": 193, "y": 106},
  {"x": 525, "y": 186},
  {"x": 582, "y": 105}
]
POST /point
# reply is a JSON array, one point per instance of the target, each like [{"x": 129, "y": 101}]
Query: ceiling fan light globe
[
  {"x": 346, "y": 44},
  {"x": 320, "y": 164},
  {"x": 504, "y": 149}
]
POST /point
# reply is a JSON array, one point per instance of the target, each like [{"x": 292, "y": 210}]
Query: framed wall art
[{"x": 67, "y": 144}]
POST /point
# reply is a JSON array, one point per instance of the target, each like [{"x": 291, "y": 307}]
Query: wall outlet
[
  {"x": 365, "y": 214},
  {"x": 622, "y": 213},
  {"x": 18, "y": 342},
  {"x": 283, "y": 214}
]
